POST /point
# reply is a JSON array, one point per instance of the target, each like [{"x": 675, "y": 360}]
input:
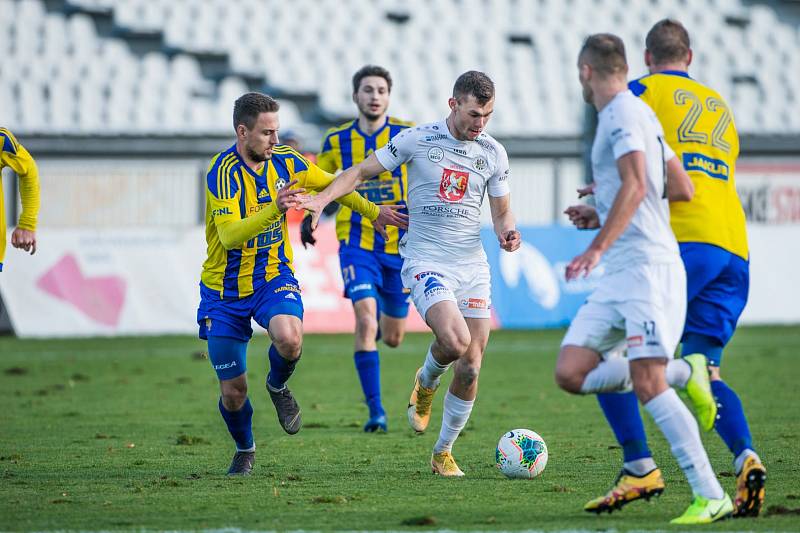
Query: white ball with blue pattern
[{"x": 521, "y": 453}]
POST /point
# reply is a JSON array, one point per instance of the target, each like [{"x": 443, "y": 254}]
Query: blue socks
[
  {"x": 280, "y": 369},
  {"x": 240, "y": 425},
  {"x": 696, "y": 343},
  {"x": 731, "y": 423},
  {"x": 369, "y": 372},
  {"x": 622, "y": 412}
]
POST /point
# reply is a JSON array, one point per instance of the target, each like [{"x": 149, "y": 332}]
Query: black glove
[
  {"x": 307, "y": 232},
  {"x": 330, "y": 209}
]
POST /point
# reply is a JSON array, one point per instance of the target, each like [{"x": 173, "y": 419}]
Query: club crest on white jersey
[{"x": 447, "y": 181}]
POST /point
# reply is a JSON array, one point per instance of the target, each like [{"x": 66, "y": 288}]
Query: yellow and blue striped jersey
[
  {"x": 345, "y": 146},
  {"x": 239, "y": 262},
  {"x": 15, "y": 156},
  {"x": 699, "y": 127}
]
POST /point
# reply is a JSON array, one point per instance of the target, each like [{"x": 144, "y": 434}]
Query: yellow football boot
[
  {"x": 444, "y": 465},
  {"x": 419, "y": 405},
  {"x": 627, "y": 488},
  {"x": 750, "y": 488},
  {"x": 705, "y": 511}
]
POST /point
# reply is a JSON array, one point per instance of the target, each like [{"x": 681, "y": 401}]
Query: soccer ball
[{"x": 521, "y": 453}]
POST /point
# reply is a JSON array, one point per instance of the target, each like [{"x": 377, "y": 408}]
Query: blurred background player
[
  {"x": 248, "y": 272},
  {"x": 15, "y": 156},
  {"x": 641, "y": 302},
  {"x": 451, "y": 166},
  {"x": 712, "y": 237},
  {"x": 370, "y": 264}
]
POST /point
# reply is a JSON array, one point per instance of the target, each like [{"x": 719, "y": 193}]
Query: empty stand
[{"x": 60, "y": 74}]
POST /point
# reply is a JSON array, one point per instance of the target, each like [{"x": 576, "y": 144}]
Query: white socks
[
  {"x": 680, "y": 429},
  {"x": 738, "y": 462},
  {"x": 431, "y": 371},
  {"x": 611, "y": 375},
  {"x": 455, "y": 416},
  {"x": 640, "y": 467},
  {"x": 678, "y": 373}
]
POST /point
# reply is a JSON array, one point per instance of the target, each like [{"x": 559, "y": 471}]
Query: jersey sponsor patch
[
  {"x": 618, "y": 134},
  {"x": 453, "y": 185},
  {"x": 361, "y": 287},
  {"x": 425, "y": 274},
  {"x": 714, "y": 168},
  {"x": 287, "y": 287},
  {"x": 446, "y": 211},
  {"x": 474, "y": 303},
  {"x": 436, "y": 154},
  {"x": 221, "y": 211},
  {"x": 635, "y": 341},
  {"x": 433, "y": 287}
]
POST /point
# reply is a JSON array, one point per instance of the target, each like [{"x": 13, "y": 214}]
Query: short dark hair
[
  {"x": 249, "y": 106},
  {"x": 476, "y": 84},
  {"x": 605, "y": 53},
  {"x": 667, "y": 41},
  {"x": 371, "y": 70}
]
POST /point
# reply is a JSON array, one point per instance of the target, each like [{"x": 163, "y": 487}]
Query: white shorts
[
  {"x": 640, "y": 309},
  {"x": 468, "y": 285}
]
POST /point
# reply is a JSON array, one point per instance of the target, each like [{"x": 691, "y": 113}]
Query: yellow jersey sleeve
[
  {"x": 313, "y": 178},
  {"x": 224, "y": 205},
  {"x": 15, "y": 156}
]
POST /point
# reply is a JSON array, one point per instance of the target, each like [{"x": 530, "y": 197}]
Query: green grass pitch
[{"x": 124, "y": 434}]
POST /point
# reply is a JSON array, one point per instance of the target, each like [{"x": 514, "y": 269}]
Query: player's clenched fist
[
  {"x": 24, "y": 239},
  {"x": 583, "y": 216},
  {"x": 510, "y": 240}
]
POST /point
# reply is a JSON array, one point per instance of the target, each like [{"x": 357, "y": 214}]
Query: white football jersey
[
  {"x": 447, "y": 179},
  {"x": 627, "y": 125}
]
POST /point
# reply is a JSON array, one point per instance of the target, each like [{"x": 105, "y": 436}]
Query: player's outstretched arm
[
  {"x": 234, "y": 231},
  {"x": 679, "y": 185},
  {"x": 632, "y": 171},
  {"x": 344, "y": 184},
  {"x": 503, "y": 221}
]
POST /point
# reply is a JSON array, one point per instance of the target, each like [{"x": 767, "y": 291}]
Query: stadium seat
[{"x": 530, "y": 53}]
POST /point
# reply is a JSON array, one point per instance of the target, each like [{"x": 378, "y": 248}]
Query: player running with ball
[{"x": 451, "y": 165}]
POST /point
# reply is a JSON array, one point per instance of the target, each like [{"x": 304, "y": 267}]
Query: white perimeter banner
[
  {"x": 110, "y": 282},
  {"x": 145, "y": 281},
  {"x": 136, "y": 281},
  {"x": 774, "y": 291}
]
